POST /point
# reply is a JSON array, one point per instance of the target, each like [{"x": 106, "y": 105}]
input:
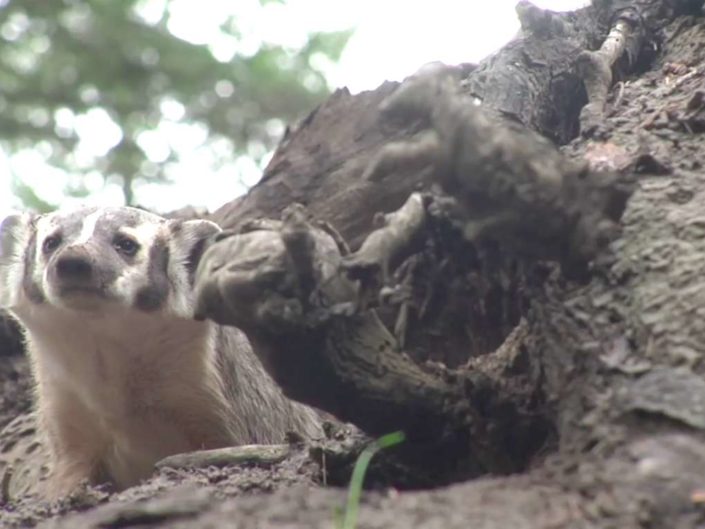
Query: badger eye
[
  {"x": 51, "y": 243},
  {"x": 125, "y": 245}
]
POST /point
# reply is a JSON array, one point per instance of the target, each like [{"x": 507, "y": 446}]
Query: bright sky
[{"x": 393, "y": 38}]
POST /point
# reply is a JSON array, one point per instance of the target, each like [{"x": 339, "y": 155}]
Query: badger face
[{"x": 95, "y": 259}]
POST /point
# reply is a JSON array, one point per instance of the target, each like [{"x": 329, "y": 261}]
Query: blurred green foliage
[{"x": 61, "y": 59}]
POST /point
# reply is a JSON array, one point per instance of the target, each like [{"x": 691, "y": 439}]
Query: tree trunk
[{"x": 597, "y": 385}]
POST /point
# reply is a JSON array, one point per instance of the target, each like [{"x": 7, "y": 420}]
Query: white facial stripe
[
  {"x": 88, "y": 227},
  {"x": 137, "y": 274}
]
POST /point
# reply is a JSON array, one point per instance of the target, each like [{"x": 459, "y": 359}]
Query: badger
[{"x": 124, "y": 374}]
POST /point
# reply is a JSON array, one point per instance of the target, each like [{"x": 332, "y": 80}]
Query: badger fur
[{"x": 124, "y": 375}]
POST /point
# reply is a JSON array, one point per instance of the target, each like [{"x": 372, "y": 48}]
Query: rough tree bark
[
  {"x": 610, "y": 342},
  {"x": 517, "y": 309}
]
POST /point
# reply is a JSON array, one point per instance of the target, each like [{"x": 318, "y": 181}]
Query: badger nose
[{"x": 74, "y": 267}]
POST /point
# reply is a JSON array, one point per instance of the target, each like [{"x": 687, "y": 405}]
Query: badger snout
[
  {"x": 76, "y": 275},
  {"x": 74, "y": 267}
]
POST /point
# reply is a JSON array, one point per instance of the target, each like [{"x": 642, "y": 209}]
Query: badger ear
[
  {"x": 189, "y": 239},
  {"x": 17, "y": 239}
]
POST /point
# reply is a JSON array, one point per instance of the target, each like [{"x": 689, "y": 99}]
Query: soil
[{"x": 665, "y": 104}]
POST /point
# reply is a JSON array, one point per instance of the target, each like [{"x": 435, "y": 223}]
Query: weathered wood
[
  {"x": 328, "y": 351},
  {"x": 220, "y": 457},
  {"x": 323, "y": 172},
  {"x": 585, "y": 347}
]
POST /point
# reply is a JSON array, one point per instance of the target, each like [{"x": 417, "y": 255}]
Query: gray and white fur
[{"x": 124, "y": 375}]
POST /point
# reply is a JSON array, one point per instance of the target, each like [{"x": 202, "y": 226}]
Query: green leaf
[
  {"x": 29, "y": 198},
  {"x": 60, "y": 60}
]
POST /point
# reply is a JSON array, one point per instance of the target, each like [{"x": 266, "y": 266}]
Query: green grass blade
[{"x": 358, "y": 475}]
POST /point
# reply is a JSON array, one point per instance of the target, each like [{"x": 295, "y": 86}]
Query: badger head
[{"x": 100, "y": 259}]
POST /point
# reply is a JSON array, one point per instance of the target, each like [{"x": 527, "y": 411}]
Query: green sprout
[{"x": 358, "y": 476}]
